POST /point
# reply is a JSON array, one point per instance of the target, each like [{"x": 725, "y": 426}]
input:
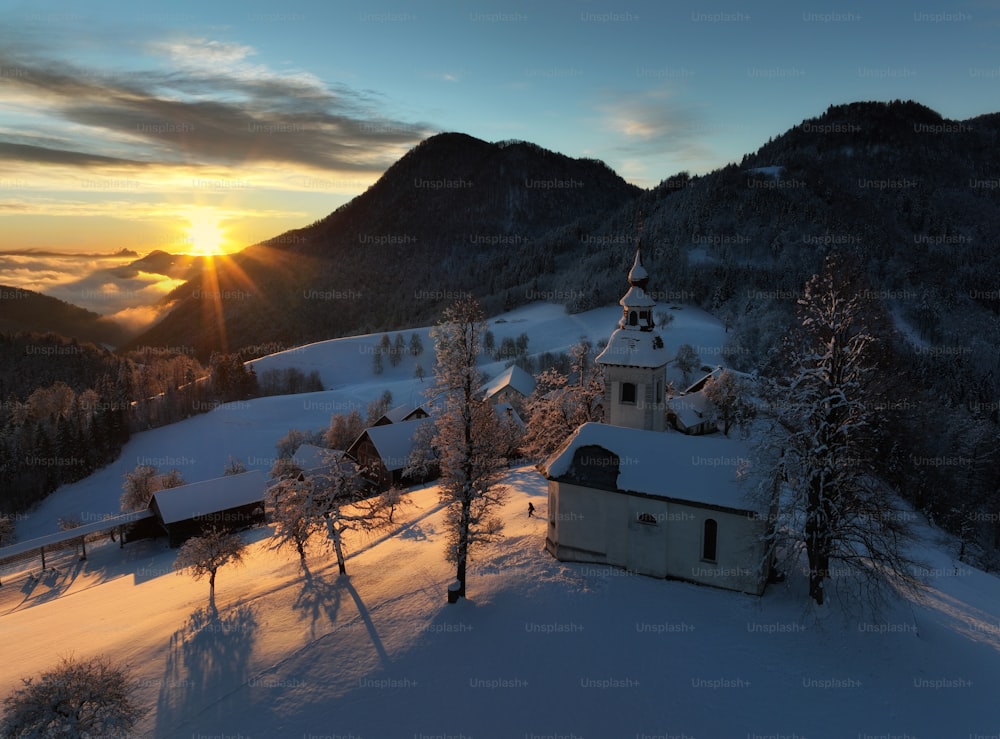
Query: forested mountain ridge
[{"x": 454, "y": 214}]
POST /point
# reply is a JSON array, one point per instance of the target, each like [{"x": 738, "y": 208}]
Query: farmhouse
[
  {"x": 400, "y": 413},
  {"x": 511, "y": 387},
  {"x": 633, "y": 493},
  {"x": 383, "y": 452},
  {"x": 232, "y": 502}
]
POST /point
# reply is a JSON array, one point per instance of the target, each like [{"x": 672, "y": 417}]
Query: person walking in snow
[{"x": 531, "y": 508}]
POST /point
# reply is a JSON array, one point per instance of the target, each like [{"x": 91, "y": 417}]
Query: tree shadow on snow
[
  {"x": 207, "y": 658},
  {"x": 321, "y": 598}
]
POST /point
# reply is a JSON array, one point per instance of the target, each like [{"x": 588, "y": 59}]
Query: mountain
[
  {"x": 911, "y": 194},
  {"x": 454, "y": 214},
  {"x": 26, "y": 310},
  {"x": 158, "y": 262}
]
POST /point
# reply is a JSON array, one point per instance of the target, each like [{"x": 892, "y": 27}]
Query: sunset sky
[{"x": 204, "y": 126}]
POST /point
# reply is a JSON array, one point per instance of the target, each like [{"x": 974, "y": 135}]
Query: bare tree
[
  {"x": 205, "y": 554},
  {"x": 293, "y": 515},
  {"x": 138, "y": 488},
  {"x": 468, "y": 436},
  {"x": 234, "y": 466},
  {"x": 828, "y": 497},
  {"x": 729, "y": 395},
  {"x": 686, "y": 360},
  {"x": 79, "y": 698},
  {"x": 558, "y": 406},
  {"x": 337, "y": 498},
  {"x": 142, "y": 482}
]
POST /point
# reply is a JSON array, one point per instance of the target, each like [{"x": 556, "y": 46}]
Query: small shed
[{"x": 232, "y": 502}]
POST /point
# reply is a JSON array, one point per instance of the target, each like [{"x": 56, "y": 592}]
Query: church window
[
  {"x": 710, "y": 540},
  {"x": 647, "y": 518},
  {"x": 632, "y": 318},
  {"x": 659, "y": 391},
  {"x": 628, "y": 392}
]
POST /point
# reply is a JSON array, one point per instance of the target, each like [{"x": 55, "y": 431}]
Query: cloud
[
  {"x": 203, "y": 102},
  {"x": 655, "y": 123}
]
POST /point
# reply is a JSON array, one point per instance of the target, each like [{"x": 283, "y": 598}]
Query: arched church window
[
  {"x": 647, "y": 518},
  {"x": 633, "y": 320},
  {"x": 710, "y": 539}
]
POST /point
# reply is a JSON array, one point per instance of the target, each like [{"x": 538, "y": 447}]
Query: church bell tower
[{"x": 635, "y": 360}]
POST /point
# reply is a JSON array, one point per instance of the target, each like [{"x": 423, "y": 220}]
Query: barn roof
[
  {"x": 514, "y": 377},
  {"x": 707, "y": 470},
  {"x": 393, "y": 442},
  {"x": 210, "y": 496}
]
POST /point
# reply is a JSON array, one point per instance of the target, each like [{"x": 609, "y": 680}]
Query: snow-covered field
[{"x": 539, "y": 649}]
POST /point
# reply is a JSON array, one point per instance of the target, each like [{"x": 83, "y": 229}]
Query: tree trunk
[
  {"x": 462, "y": 553},
  {"x": 339, "y": 549}
]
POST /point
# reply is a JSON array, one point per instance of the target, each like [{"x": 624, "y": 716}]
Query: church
[{"x": 635, "y": 494}]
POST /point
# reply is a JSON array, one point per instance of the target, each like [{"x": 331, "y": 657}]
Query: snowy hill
[{"x": 199, "y": 447}]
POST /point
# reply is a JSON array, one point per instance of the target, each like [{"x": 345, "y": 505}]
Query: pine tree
[{"x": 468, "y": 437}]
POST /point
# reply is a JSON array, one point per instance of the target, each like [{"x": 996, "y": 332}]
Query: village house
[{"x": 633, "y": 493}]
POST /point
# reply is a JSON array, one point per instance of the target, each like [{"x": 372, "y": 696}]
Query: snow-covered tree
[
  {"x": 337, "y": 500},
  {"x": 416, "y": 345},
  {"x": 419, "y": 372},
  {"x": 288, "y": 444},
  {"x": 378, "y": 407},
  {"x": 142, "y": 482},
  {"x": 377, "y": 366},
  {"x": 6, "y": 530},
  {"x": 205, "y": 554},
  {"x": 344, "y": 429},
  {"x": 398, "y": 350},
  {"x": 138, "y": 488},
  {"x": 559, "y": 404},
  {"x": 292, "y": 515},
  {"x": 828, "y": 499},
  {"x": 79, "y": 698},
  {"x": 468, "y": 436},
  {"x": 729, "y": 396},
  {"x": 686, "y": 360}
]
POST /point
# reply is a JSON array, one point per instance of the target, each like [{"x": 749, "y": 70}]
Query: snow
[
  {"x": 210, "y": 496},
  {"x": 702, "y": 469},
  {"x": 773, "y": 170},
  {"x": 540, "y": 647},
  {"x": 394, "y": 441},
  {"x": 513, "y": 377}
]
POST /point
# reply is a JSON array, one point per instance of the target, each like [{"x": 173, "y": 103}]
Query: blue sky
[{"x": 202, "y": 126}]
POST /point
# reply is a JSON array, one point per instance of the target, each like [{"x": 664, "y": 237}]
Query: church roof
[
  {"x": 638, "y": 273},
  {"x": 636, "y": 297},
  {"x": 712, "y": 471},
  {"x": 634, "y": 349}
]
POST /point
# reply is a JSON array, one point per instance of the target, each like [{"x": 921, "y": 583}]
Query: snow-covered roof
[
  {"x": 393, "y": 441},
  {"x": 210, "y": 496},
  {"x": 310, "y": 457},
  {"x": 513, "y": 377},
  {"x": 634, "y": 349},
  {"x": 507, "y": 411},
  {"x": 636, "y": 297},
  {"x": 638, "y": 272},
  {"x": 706, "y": 470},
  {"x": 690, "y": 408},
  {"x": 397, "y": 414}
]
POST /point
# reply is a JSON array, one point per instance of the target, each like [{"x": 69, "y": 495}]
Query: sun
[{"x": 206, "y": 236}]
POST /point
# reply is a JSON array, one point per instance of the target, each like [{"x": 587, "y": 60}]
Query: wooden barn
[
  {"x": 383, "y": 452},
  {"x": 232, "y": 502}
]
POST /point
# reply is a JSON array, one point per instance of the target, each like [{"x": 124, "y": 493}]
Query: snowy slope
[
  {"x": 199, "y": 447},
  {"x": 540, "y": 647}
]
